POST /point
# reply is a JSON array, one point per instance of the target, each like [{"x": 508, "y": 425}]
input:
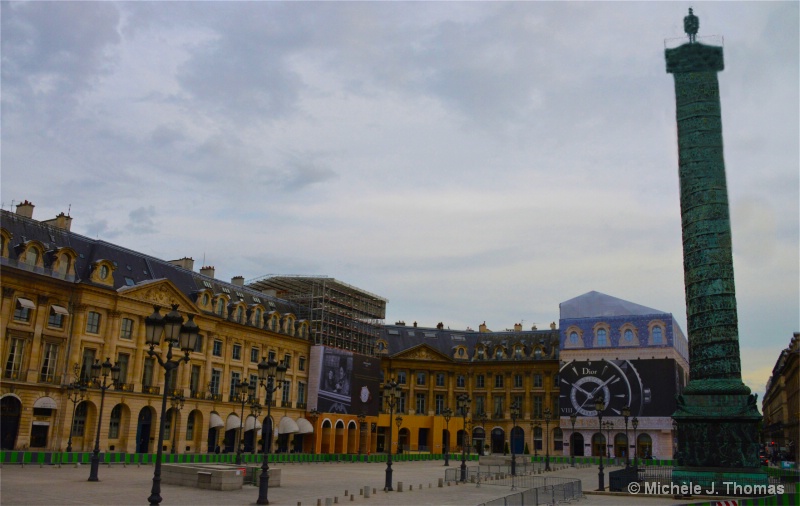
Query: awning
[
  {"x": 45, "y": 403},
  {"x": 234, "y": 422},
  {"x": 26, "y": 303},
  {"x": 287, "y": 426},
  {"x": 305, "y": 426},
  {"x": 216, "y": 421},
  {"x": 60, "y": 310},
  {"x": 251, "y": 422}
]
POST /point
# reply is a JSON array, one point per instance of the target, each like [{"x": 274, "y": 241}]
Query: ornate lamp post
[
  {"x": 174, "y": 332},
  {"x": 547, "y": 416},
  {"x": 361, "y": 424},
  {"x": 600, "y": 406},
  {"x": 573, "y": 418},
  {"x": 391, "y": 393},
  {"x": 313, "y": 415},
  {"x": 176, "y": 401},
  {"x": 270, "y": 376},
  {"x": 106, "y": 368},
  {"x": 463, "y": 403},
  {"x": 243, "y": 392},
  {"x": 635, "y": 424},
  {"x": 626, "y": 412},
  {"x": 608, "y": 426},
  {"x": 255, "y": 412},
  {"x": 447, "y": 413},
  {"x": 76, "y": 393},
  {"x": 514, "y": 416},
  {"x": 484, "y": 418},
  {"x": 534, "y": 426}
]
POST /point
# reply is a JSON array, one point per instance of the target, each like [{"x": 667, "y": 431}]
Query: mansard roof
[{"x": 595, "y": 304}]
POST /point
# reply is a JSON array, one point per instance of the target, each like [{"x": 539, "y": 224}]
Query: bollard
[
  {"x": 366, "y": 492},
  {"x": 430, "y": 485},
  {"x": 399, "y": 486},
  {"x": 420, "y": 486},
  {"x": 298, "y": 503},
  {"x": 410, "y": 488},
  {"x": 336, "y": 500},
  {"x": 319, "y": 502},
  {"x": 351, "y": 497},
  {"x": 361, "y": 491},
  {"x": 328, "y": 501},
  {"x": 441, "y": 482},
  {"x": 373, "y": 490},
  {"x": 346, "y": 492}
]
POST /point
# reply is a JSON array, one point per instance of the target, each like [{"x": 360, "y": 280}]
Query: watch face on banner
[{"x": 615, "y": 381}]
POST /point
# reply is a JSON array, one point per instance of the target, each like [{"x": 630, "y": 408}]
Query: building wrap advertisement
[
  {"x": 648, "y": 387},
  {"x": 341, "y": 381}
]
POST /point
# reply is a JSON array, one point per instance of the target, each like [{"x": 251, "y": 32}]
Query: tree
[{"x": 527, "y": 451}]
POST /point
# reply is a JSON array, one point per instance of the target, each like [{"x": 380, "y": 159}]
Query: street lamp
[
  {"x": 76, "y": 392},
  {"x": 547, "y": 415},
  {"x": 484, "y": 418},
  {"x": 361, "y": 424},
  {"x": 600, "y": 406},
  {"x": 242, "y": 392},
  {"x": 626, "y": 412},
  {"x": 313, "y": 415},
  {"x": 534, "y": 426},
  {"x": 255, "y": 412},
  {"x": 635, "y": 424},
  {"x": 391, "y": 392},
  {"x": 447, "y": 413},
  {"x": 106, "y": 368},
  {"x": 608, "y": 426},
  {"x": 176, "y": 401},
  {"x": 270, "y": 376},
  {"x": 573, "y": 418},
  {"x": 174, "y": 332},
  {"x": 514, "y": 416},
  {"x": 463, "y": 403},
  {"x": 399, "y": 421}
]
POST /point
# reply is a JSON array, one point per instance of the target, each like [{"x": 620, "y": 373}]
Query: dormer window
[
  {"x": 498, "y": 353},
  {"x": 239, "y": 314},
  {"x": 220, "y": 306},
  {"x": 657, "y": 335},
  {"x": 518, "y": 352},
  {"x": 103, "y": 271},
  {"x": 480, "y": 354}
]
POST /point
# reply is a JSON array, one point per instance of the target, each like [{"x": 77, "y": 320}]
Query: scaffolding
[{"x": 340, "y": 315}]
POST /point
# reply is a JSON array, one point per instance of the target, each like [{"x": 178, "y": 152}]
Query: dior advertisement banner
[{"x": 341, "y": 381}]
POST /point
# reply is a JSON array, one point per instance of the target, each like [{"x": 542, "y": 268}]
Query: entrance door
[
  {"x": 39, "y": 436},
  {"x": 498, "y": 440},
  {"x": 10, "y": 410},
  {"x": 577, "y": 444},
  {"x": 143, "y": 431},
  {"x": 517, "y": 440}
]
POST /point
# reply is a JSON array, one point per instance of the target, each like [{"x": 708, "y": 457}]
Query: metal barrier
[{"x": 552, "y": 493}]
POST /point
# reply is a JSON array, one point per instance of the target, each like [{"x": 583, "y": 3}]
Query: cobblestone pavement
[{"x": 301, "y": 485}]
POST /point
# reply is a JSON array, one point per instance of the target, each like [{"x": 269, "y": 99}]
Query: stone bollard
[
  {"x": 410, "y": 488},
  {"x": 346, "y": 492},
  {"x": 373, "y": 490},
  {"x": 351, "y": 498},
  {"x": 336, "y": 500},
  {"x": 430, "y": 485},
  {"x": 399, "y": 486},
  {"x": 366, "y": 492},
  {"x": 299, "y": 503},
  {"x": 441, "y": 482},
  {"x": 328, "y": 501},
  {"x": 319, "y": 502},
  {"x": 420, "y": 486}
]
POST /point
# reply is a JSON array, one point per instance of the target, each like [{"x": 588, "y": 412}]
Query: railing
[
  {"x": 124, "y": 387},
  {"x": 149, "y": 389},
  {"x": 197, "y": 394},
  {"x": 547, "y": 493},
  {"x": 213, "y": 397},
  {"x": 660, "y": 479}
]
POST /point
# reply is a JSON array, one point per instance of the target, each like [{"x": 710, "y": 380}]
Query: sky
[{"x": 470, "y": 162}]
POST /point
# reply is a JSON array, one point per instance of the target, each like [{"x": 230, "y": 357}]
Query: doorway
[
  {"x": 10, "y": 410},
  {"x": 143, "y": 430}
]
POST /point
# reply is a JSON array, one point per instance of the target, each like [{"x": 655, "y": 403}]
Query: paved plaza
[{"x": 301, "y": 485}]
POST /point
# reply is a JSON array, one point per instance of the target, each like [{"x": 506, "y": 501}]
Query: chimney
[
  {"x": 185, "y": 262},
  {"x": 553, "y": 326},
  {"x": 482, "y": 327},
  {"x": 25, "y": 209},
  {"x": 61, "y": 221},
  {"x": 517, "y": 327},
  {"x": 207, "y": 271},
  {"x": 439, "y": 325},
  {"x": 237, "y": 280}
]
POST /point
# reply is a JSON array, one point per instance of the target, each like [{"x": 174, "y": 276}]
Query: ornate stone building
[{"x": 781, "y": 405}]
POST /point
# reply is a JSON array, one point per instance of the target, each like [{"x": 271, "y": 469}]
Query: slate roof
[{"x": 594, "y": 304}]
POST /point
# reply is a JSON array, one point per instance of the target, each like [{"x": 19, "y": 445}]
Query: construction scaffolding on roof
[{"x": 341, "y": 315}]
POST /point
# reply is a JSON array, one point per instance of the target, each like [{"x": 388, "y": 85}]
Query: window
[
  {"x": 205, "y": 299},
  {"x": 498, "y": 353},
  {"x": 122, "y": 362},
  {"x": 257, "y": 318},
  {"x": 14, "y": 361},
  {"x": 518, "y": 352},
  {"x": 401, "y": 377},
  {"x": 217, "y": 351},
  {"x": 657, "y": 335},
  {"x": 461, "y": 352},
  {"x": 517, "y": 399},
  {"x": 629, "y": 335},
  {"x": 147, "y": 372},
  {"x": 271, "y": 355},
  {"x": 440, "y": 379},
  {"x": 439, "y": 403},
  {"x": 126, "y": 329},
  {"x": 173, "y": 382},
  {"x": 421, "y": 378},
  {"x": 194, "y": 380},
  {"x": 220, "y": 307},
  {"x": 113, "y": 424},
  {"x": 480, "y": 381},
  {"x": 480, "y": 354},
  {"x": 56, "y": 317},
  {"x": 103, "y": 271},
  {"x": 420, "y": 404},
  {"x": 537, "y": 380},
  {"x": 301, "y": 392},
  {"x": 93, "y": 323},
  {"x": 573, "y": 337},
  {"x": 517, "y": 381},
  {"x": 198, "y": 345},
  {"x": 254, "y": 353},
  {"x": 537, "y": 437},
  {"x": 79, "y": 419},
  {"x": 239, "y": 314},
  {"x": 63, "y": 264},
  {"x": 287, "y": 361},
  {"x": 537, "y": 406},
  {"x": 49, "y": 359},
  {"x": 601, "y": 337},
  {"x": 558, "y": 439},
  {"x": 401, "y": 403},
  {"x": 190, "y": 427},
  {"x": 286, "y": 390},
  {"x": 235, "y": 376},
  {"x": 168, "y": 424},
  {"x": 86, "y": 367},
  {"x": 498, "y": 407},
  {"x": 480, "y": 405},
  {"x": 32, "y": 256},
  {"x": 22, "y": 311},
  {"x": 537, "y": 353},
  {"x": 498, "y": 381},
  {"x": 215, "y": 381},
  {"x": 461, "y": 381},
  {"x": 301, "y": 363},
  {"x": 253, "y": 381},
  {"x": 237, "y": 352}
]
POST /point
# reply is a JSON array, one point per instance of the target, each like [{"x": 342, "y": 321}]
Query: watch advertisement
[
  {"x": 341, "y": 381},
  {"x": 646, "y": 387}
]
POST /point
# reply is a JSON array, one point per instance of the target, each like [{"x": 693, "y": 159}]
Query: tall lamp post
[
  {"x": 313, "y": 415},
  {"x": 514, "y": 416},
  {"x": 573, "y": 418},
  {"x": 176, "y": 401},
  {"x": 76, "y": 393},
  {"x": 255, "y": 412},
  {"x": 463, "y": 403},
  {"x": 243, "y": 392},
  {"x": 174, "y": 332},
  {"x": 600, "y": 406},
  {"x": 270, "y": 376},
  {"x": 626, "y": 412},
  {"x": 106, "y": 368},
  {"x": 399, "y": 421},
  {"x": 534, "y": 426},
  {"x": 447, "y": 413},
  {"x": 608, "y": 426},
  {"x": 547, "y": 416},
  {"x": 361, "y": 424},
  {"x": 391, "y": 392},
  {"x": 635, "y": 425},
  {"x": 484, "y": 418}
]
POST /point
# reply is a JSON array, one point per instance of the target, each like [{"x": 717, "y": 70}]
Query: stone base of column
[{"x": 721, "y": 481}]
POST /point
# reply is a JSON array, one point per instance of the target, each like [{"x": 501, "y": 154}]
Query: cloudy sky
[{"x": 469, "y": 162}]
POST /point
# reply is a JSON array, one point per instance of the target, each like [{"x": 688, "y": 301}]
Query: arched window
[
  {"x": 498, "y": 353},
  {"x": 63, "y": 264},
  {"x": 518, "y": 352},
  {"x": 239, "y": 314},
  {"x": 480, "y": 353},
  {"x": 573, "y": 337},
  {"x": 205, "y": 299},
  {"x": 628, "y": 336},
  {"x": 537, "y": 353},
  {"x": 558, "y": 439},
  {"x": 601, "y": 337},
  {"x": 113, "y": 424},
  {"x": 190, "y": 427},
  {"x": 79, "y": 419},
  {"x": 657, "y": 335},
  {"x": 220, "y": 306},
  {"x": 32, "y": 256},
  {"x": 257, "y": 321}
]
